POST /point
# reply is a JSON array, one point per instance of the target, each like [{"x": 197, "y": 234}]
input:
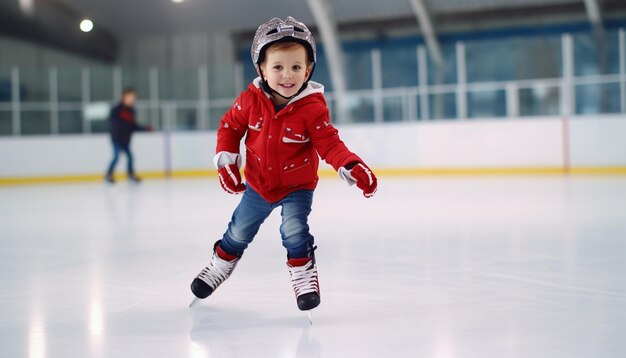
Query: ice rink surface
[{"x": 439, "y": 267}]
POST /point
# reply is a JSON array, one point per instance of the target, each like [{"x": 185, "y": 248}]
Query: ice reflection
[
  {"x": 197, "y": 351},
  {"x": 96, "y": 320},
  {"x": 37, "y": 337},
  {"x": 444, "y": 346}
]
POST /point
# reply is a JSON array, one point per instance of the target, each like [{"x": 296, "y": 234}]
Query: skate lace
[
  {"x": 304, "y": 278},
  {"x": 217, "y": 271}
]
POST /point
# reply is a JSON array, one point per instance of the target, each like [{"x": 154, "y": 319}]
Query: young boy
[
  {"x": 122, "y": 125},
  {"x": 286, "y": 123}
]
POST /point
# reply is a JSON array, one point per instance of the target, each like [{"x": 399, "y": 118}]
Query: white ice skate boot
[
  {"x": 304, "y": 280},
  {"x": 219, "y": 269}
]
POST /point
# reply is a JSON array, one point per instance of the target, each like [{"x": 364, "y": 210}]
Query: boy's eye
[
  {"x": 296, "y": 67},
  {"x": 278, "y": 67}
]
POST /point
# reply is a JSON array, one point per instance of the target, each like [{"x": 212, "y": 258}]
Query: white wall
[
  {"x": 468, "y": 144},
  {"x": 193, "y": 150},
  {"x": 504, "y": 143},
  {"x": 73, "y": 155},
  {"x": 598, "y": 142}
]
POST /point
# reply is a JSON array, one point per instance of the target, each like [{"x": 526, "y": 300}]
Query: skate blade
[
  {"x": 193, "y": 302},
  {"x": 310, "y": 318}
]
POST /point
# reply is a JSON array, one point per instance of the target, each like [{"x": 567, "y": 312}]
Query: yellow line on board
[
  {"x": 469, "y": 171},
  {"x": 325, "y": 173},
  {"x": 49, "y": 179},
  {"x": 499, "y": 171},
  {"x": 193, "y": 173},
  {"x": 599, "y": 170}
]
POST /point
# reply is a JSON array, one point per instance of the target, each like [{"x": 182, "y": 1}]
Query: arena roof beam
[
  {"x": 327, "y": 26},
  {"x": 593, "y": 12},
  {"x": 595, "y": 18},
  {"x": 426, "y": 25}
]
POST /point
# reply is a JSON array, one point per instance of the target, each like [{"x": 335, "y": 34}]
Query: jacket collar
[{"x": 312, "y": 87}]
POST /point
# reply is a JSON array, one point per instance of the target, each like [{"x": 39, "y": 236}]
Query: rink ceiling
[
  {"x": 430, "y": 267},
  {"x": 247, "y": 15}
]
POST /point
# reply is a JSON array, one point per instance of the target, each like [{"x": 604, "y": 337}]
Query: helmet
[{"x": 277, "y": 30}]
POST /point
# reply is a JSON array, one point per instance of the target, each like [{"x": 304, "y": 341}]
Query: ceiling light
[
  {"x": 86, "y": 25},
  {"x": 177, "y": 1},
  {"x": 27, "y": 6}
]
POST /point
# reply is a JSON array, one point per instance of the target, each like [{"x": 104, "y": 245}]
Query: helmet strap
[{"x": 267, "y": 88}]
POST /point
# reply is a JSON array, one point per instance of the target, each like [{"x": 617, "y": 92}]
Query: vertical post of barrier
[
  {"x": 16, "y": 105},
  {"x": 168, "y": 125},
  {"x": 53, "y": 77},
  {"x": 461, "y": 73},
  {"x": 117, "y": 83},
  {"x": 377, "y": 85},
  {"x": 512, "y": 100},
  {"x": 203, "y": 96},
  {"x": 154, "y": 97},
  {"x": 85, "y": 96},
  {"x": 238, "y": 78},
  {"x": 567, "y": 96},
  {"x": 409, "y": 105},
  {"x": 567, "y": 90},
  {"x": 422, "y": 64},
  {"x": 622, "y": 68}
]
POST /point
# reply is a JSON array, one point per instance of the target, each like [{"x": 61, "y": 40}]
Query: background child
[
  {"x": 286, "y": 123},
  {"x": 122, "y": 125}
]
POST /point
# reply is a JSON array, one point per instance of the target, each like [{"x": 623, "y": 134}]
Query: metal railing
[{"x": 563, "y": 96}]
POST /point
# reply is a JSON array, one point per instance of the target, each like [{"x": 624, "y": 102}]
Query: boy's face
[
  {"x": 286, "y": 70},
  {"x": 129, "y": 99}
]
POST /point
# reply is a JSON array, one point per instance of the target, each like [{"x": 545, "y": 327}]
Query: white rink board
[
  {"x": 502, "y": 143},
  {"x": 597, "y": 142},
  {"x": 467, "y": 144},
  {"x": 74, "y": 155}
]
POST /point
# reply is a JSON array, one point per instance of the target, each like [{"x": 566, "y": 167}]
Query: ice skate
[
  {"x": 218, "y": 270},
  {"x": 304, "y": 280}
]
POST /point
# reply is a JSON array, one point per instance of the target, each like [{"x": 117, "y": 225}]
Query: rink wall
[{"x": 509, "y": 146}]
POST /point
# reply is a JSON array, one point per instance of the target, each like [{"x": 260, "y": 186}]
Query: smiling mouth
[{"x": 287, "y": 85}]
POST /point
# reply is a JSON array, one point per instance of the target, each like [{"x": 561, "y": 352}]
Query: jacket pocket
[
  {"x": 255, "y": 122},
  {"x": 295, "y": 134},
  {"x": 298, "y": 171},
  {"x": 253, "y": 167}
]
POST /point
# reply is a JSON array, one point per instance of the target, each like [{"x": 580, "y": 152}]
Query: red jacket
[{"x": 282, "y": 148}]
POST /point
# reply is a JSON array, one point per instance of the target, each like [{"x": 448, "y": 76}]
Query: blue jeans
[
  {"x": 117, "y": 148},
  {"x": 252, "y": 212}
]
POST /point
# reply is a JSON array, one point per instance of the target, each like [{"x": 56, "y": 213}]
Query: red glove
[
  {"x": 230, "y": 179},
  {"x": 361, "y": 175},
  {"x": 365, "y": 179}
]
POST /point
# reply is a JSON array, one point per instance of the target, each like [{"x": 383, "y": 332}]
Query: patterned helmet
[{"x": 277, "y": 30}]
